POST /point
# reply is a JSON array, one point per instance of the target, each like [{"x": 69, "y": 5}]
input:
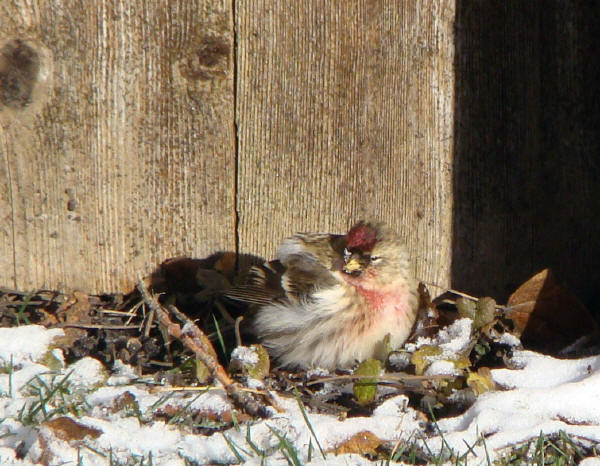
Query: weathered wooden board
[
  {"x": 116, "y": 139},
  {"x": 131, "y": 132},
  {"x": 344, "y": 111}
]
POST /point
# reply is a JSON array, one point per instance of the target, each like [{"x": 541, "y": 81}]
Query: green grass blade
[
  {"x": 308, "y": 423},
  {"x": 21, "y": 310},
  {"x": 183, "y": 410},
  {"x": 253, "y": 445},
  {"x": 287, "y": 448},
  {"x": 232, "y": 447},
  {"x": 220, "y": 337}
]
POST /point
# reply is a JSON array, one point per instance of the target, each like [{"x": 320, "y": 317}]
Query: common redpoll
[{"x": 331, "y": 300}]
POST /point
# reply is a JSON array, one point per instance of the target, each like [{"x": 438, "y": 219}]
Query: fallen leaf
[
  {"x": 257, "y": 370},
  {"x": 68, "y": 429},
  {"x": 486, "y": 312},
  {"x": 202, "y": 371},
  {"x": 548, "y": 316},
  {"x": 461, "y": 363},
  {"x": 364, "y": 442},
  {"x": 427, "y": 321},
  {"x": 75, "y": 310},
  {"x": 421, "y": 357},
  {"x": 481, "y": 381},
  {"x": 466, "y": 307},
  {"x": 366, "y": 389},
  {"x": 481, "y": 312}
]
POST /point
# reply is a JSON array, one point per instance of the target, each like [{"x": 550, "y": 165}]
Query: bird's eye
[{"x": 375, "y": 258}]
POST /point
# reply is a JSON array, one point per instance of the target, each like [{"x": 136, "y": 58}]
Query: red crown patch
[{"x": 362, "y": 236}]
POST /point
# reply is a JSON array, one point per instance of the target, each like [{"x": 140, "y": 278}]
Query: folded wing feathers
[
  {"x": 303, "y": 266},
  {"x": 263, "y": 285}
]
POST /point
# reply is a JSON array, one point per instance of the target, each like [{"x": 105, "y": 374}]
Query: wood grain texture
[
  {"x": 344, "y": 111},
  {"x": 527, "y": 145},
  {"x": 121, "y": 152}
]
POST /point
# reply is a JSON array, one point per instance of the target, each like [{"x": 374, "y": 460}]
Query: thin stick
[
  {"x": 385, "y": 378},
  {"x": 99, "y": 326},
  {"x": 160, "y": 363},
  {"x": 195, "y": 340},
  {"x": 460, "y": 293},
  {"x": 115, "y": 312},
  {"x": 149, "y": 323},
  {"x": 238, "y": 336},
  {"x": 204, "y": 388}
]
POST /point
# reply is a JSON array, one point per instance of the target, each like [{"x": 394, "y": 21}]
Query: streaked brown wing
[
  {"x": 275, "y": 282},
  {"x": 263, "y": 285},
  {"x": 307, "y": 260}
]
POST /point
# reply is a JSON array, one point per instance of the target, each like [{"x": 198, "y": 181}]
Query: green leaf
[
  {"x": 366, "y": 389},
  {"x": 420, "y": 358}
]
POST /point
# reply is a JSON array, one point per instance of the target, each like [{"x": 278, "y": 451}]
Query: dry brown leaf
[
  {"x": 364, "y": 442},
  {"x": 76, "y": 310},
  {"x": 68, "y": 429},
  {"x": 426, "y": 323},
  {"x": 548, "y": 316}
]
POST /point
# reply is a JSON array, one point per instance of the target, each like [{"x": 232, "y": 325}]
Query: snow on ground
[
  {"x": 113, "y": 417},
  {"x": 547, "y": 395}
]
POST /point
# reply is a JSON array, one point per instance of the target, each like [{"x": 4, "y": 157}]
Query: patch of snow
[
  {"x": 87, "y": 372},
  {"x": 549, "y": 396},
  {"x": 14, "y": 434},
  {"x": 540, "y": 371},
  {"x": 28, "y": 343},
  {"x": 452, "y": 340},
  {"x": 126, "y": 437},
  {"x": 544, "y": 394},
  {"x": 246, "y": 355},
  {"x": 19, "y": 378},
  {"x": 395, "y": 406},
  {"x": 331, "y": 432},
  {"x": 442, "y": 367},
  {"x": 209, "y": 450},
  {"x": 590, "y": 462},
  {"x": 122, "y": 374},
  {"x": 49, "y": 449},
  {"x": 317, "y": 372},
  {"x": 509, "y": 339},
  {"x": 8, "y": 457},
  {"x": 455, "y": 338},
  {"x": 214, "y": 401},
  {"x": 399, "y": 359},
  {"x": 255, "y": 384}
]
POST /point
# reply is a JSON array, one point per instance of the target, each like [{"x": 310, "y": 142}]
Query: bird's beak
[{"x": 353, "y": 266}]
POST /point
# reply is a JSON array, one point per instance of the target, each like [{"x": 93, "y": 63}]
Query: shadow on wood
[{"x": 527, "y": 146}]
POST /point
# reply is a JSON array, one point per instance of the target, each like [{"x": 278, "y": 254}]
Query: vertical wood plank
[
  {"x": 122, "y": 153},
  {"x": 344, "y": 111}
]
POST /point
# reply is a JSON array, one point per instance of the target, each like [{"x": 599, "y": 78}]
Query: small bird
[{"x": 330, "y": 300}]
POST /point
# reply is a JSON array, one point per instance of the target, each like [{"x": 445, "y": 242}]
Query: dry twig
[
  {"x": 383, "y": 378},
  {"x": 195, "y": 340},
  {"x": 98, "y": 326}
]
